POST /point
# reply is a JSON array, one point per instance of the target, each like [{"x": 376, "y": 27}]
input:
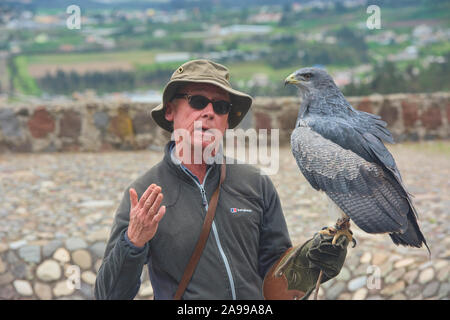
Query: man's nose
[{"x": 208, "y": 111}]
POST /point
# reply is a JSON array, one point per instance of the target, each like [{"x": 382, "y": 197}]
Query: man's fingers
[
  {"x": 154, "y": 208},
  {"x": 151, "y": 199},
  {"x": 133, "y": 197},
  {"x": 146, "y": 194},
  {"x": 157, "y": 217}
]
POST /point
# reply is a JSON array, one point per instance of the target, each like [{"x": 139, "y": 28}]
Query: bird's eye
[{"x": 307, "y": 76}]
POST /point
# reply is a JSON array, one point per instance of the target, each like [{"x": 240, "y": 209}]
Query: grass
[
  {"x": 132, "y": 56},
  {"x": 246, "y": 70},
  {"x": 436, "y": 49}
]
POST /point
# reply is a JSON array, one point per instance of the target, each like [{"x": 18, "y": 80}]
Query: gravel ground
[{"x": 57, "y": 210}]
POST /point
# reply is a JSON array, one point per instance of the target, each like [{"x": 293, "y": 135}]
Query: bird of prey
[{"x": 340, "y": 151}]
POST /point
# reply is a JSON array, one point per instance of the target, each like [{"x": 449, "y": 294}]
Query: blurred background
[
  {"x": 132, "y": 47},
  {"x": 75, "y": 131}
]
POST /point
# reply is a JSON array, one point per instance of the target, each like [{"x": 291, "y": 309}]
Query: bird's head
[{"x": 310, "y": 80}]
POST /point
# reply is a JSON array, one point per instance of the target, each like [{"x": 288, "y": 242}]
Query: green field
[{"x": 132, "y": 56}]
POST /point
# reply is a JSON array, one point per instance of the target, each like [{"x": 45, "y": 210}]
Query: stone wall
[{"x": 97, "y": 125}]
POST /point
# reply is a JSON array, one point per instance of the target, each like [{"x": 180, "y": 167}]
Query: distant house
[
  {"x": 265, "y": 17},
  {"x": 172, "y": 57},
  {"x": 410, "y": 53},
  {"x": 244, "y": 28}
]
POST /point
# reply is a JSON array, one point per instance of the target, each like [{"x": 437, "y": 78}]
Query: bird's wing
[
  {"x": 361, "y": 132},
  {"x": 363, "y": 190}
]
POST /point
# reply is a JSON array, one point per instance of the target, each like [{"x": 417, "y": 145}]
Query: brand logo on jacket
[{"x": 237, "y": 210}]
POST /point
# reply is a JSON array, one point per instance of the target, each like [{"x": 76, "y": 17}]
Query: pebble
[
  {"x": 393, "y": 288},
  {"x": 6, "y": 278},
  {"x": 344, "y": 275},
  {"x": 48, "y": 270},
  {"x": 87, "y": 290},
  {"x": 410, "y": 276},
  {"x": 386, "y": 267},
  {"x": 357, "y": 283},
  {"x": 50, "y": 248},
  {"x": 99, "y": 235},
  {"x": 23, "y": 287},
  {"x": 30, "y": 253},
  {"x": 19, "y": 271},
  {"x": 12, "y": 258},
  {"x": 379, "y": 258},
  {"x": 426, "y": 265},
  {"x": 8, "y": 292},
  {"x": 2, "y": 266},
  {"x": 97, "y": 265},
  {"x": 413, "y": 290},
  {"x": 43, "y": 291},
  {"x": 360, "y": 294},
  {"x": 333, "y": 292},
  {"x": 430, "y": 289},
  {"x": 441, "y": 264},
  {"x": 394, "y": 276},
  {"x": 82, "y": 258},
  {"x": 62, "y": 255},
  {"x": 75, "y": 243},
  {"x": 404, "y": 263},
  {"x": 3, "y": 247},
  {"x": 444, "y": 291},
  {"x": 17, "y": 244},
  {"x": 398, "y": 296},
  {"x": 443, "y": 274},
  {"x": 366, "y": 258},
  {"x": 88, "y": 277},
  {"x": 63, "y": 289},
  {"x": 345, "y": 296},
  {"x": 426, "y": 275},
  {"x": 98, "y": 248}
]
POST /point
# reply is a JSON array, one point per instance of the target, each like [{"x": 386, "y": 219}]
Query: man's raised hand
[{"x": 145, "y": 215}]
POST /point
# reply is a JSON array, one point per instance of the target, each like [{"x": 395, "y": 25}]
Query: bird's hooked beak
[{"x": 291, "y": 79}]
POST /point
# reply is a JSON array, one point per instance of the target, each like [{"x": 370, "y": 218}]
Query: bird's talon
[
  {"x": 328, "y": 231},
  {"x": 346, "y": 233}
]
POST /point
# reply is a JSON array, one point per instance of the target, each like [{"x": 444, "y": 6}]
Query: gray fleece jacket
[{"x": 248, "y": 235}]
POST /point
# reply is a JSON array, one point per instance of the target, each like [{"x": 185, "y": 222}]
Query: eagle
[{"x": 340, "y": 151}]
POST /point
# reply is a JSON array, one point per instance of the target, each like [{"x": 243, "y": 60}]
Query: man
[{"x": 162, "y": 230}]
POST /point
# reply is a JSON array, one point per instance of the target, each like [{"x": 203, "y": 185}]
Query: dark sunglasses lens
[
  {"x": 221, "y": 107},
  {"x": 198, "y": 102}
]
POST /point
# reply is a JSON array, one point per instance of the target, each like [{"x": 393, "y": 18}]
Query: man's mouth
[{"x": 203, "y": 129}]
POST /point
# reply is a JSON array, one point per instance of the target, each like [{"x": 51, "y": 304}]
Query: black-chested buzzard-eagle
[{"x": 340, "y": 150}]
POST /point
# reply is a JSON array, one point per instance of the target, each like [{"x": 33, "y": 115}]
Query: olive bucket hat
[{"x": 202, "y": 71}]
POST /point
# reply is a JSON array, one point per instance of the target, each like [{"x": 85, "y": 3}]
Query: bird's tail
[{"x": 412, "y": 236}]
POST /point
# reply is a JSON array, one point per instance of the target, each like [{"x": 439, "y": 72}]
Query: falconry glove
[{"x": 295, "y": 274}]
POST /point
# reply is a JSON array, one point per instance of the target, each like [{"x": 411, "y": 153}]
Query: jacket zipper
[{"x": 215, "y": 233}]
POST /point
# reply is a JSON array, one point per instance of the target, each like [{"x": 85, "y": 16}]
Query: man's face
[{"x": 183, "y": 115}]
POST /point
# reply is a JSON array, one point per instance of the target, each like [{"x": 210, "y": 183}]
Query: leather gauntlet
[{"x": 295, "y": 274}]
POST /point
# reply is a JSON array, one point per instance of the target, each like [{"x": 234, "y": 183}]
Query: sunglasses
[{"x": 200, "y": 102}]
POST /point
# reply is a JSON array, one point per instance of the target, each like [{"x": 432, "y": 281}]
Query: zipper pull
[{"x": 205, "y": 202}]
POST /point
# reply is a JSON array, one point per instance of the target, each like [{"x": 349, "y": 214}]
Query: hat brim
[{"x": 241, "y": 103}]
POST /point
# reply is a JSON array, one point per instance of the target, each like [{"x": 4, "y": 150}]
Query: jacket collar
[{"x": 175, "y": 165}]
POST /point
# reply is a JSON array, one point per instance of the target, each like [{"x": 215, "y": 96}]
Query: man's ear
[{"x": 169, "y": 113}]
